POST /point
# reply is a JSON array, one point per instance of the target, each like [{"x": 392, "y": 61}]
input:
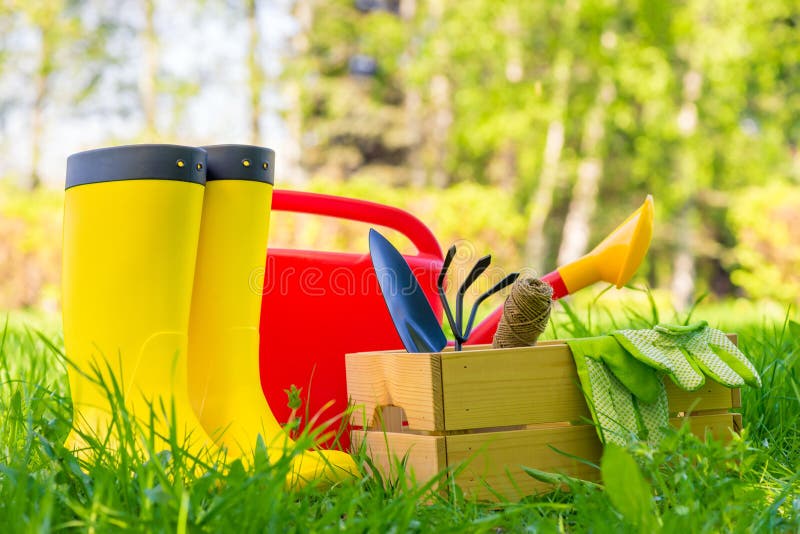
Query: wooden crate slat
[
  {"x": 426, "y": 454},
  {"x": 511, "y": 387},
  {"x": 712, "y": 396},
  {"x": 536, "y": 385},
  {"x": 719, "y": 425},
  {"x": 488, "y": 347},
  {"x": 736, "y": 398},
  {"x": 410, "y": 381},
  {"x": 496, "y": 458}
]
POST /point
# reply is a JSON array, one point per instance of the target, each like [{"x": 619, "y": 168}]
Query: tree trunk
[
  {"x": 576, "y": 234},
  {"x": 304, "y": 16},
  {"x": 503, "y": 169},
  {"x": 149, "y": 74},
  {"x": 440, "y": 132},
  {"x": 439, "y": 110},
  {"x": 37, "y": 119},
  {"x": 412, "y": 103},
  {"x": 683, "y": 266},
  {"x": 536, "y": 245},
  {"x": 44, "y": 70},
  {"x": 256, "y": 73},
  {"x": 683, "y": 271}
]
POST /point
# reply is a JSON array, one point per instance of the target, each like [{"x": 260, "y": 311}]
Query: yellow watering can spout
[
  {"x": 614, "y": 260},
  {"x": 617, "y": 257}
]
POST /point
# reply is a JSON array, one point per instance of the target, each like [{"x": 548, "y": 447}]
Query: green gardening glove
[
  {"x": 625, "y": 397},
  {"x": 686, "y": 353}
]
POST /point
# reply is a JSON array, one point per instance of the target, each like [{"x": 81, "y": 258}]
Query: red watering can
[{"x": 318, "y": 306}]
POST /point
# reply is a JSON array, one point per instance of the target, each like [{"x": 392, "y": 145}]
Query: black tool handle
[
  {"x": 448, "y": 258},
  {"x": 480, "y": 266}
]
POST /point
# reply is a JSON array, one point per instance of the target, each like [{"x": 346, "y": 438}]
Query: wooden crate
[{"x": 498, "y": 408}]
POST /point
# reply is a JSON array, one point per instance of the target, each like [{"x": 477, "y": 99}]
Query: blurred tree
[
  {"x": 766, "y": 259},
  {"x": 707, "y": 49},
  {"x": 597, "y": 53},
  {"x": 163, "y": 95},
  {"x": 61, "y": 33},
  {"x": 673, "y": 29},
  {"x": 573, "y": 109},
  {"x": 6, "y": 27},
  {"x": 412, "y": 97},
  {"x": 536, "y": 241},
  {"x": 255, "y": 71},
  {"x": 349, "y": 87},
  {"x": 546, "y": 99},
  {"x": 576, "y": 233},
  {"x": 148, "y": 74}
]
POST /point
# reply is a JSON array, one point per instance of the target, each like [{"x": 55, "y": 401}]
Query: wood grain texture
[
  {"x": 736, "y": 398},
  {"x": 410, "y": 381},
  {"x": 711, "y": 396},
  {"x": 495, "y": 459},
  {"x": 487, "y": 387},
  {"x": 719, "y": 425},
  {"x": 426, "y": 454},
  {"x": 506, "y": 387},
  {"x": 390, "y": 419}
]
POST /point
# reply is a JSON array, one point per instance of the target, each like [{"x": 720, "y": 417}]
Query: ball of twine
[{"x": 525, "y": 314}]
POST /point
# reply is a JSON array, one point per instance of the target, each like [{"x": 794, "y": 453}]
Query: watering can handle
[{"x": 362, "y": 211}]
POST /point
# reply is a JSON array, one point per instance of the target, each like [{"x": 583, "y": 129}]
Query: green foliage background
[
  {"x": 509, "y": 126},
  {"x": 528, "y": 129}
]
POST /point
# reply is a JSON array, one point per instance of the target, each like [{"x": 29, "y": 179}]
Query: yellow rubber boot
[
  {"x": 131, "y": 225},
  {"x": 223, "y": 335}
]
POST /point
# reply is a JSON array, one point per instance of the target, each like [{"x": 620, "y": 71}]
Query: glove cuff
[{"x": 675, "y": 329}]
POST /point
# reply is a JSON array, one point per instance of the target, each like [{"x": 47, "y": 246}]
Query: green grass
[{"x": 749, "y": 485}]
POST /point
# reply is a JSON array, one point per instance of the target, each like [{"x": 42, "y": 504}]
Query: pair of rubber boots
[{"x": 164, "y": 255}]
